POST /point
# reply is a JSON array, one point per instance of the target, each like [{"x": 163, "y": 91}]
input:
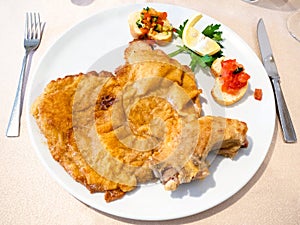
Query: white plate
[{"x": 80, "y": 49}]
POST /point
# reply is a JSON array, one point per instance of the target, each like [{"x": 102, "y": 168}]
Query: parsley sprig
[
  {"x": 212, "y": 31},
  {"x": 181, "y": 28}
]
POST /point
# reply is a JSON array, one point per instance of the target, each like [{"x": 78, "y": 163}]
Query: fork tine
[
  {"x": 26, "y": 26},
  {"x": 30, "y": 26},
  {"x": 34, "y": 26},
  {"x": 38, "y": 26}
]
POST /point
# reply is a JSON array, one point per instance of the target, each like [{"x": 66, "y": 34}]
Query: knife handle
[{"x": 286, "y": 123}]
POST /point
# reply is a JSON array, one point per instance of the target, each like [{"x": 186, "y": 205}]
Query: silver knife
[{"x": 288, "y": 130}]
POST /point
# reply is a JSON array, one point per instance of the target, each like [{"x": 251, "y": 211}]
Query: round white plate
[{"x": 95, "y": 42}]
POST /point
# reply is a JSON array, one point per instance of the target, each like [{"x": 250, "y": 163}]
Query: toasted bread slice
[
  {"x": 134, "y": 29},
  {"x": 220, "y": 96},
  {"x": 224, "y": 98},
  {"x": 216, "y": 67}
]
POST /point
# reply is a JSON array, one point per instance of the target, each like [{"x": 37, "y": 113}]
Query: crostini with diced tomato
[
  {"x": 231, "y": 81},
  {"x": 151, "y": 24}
]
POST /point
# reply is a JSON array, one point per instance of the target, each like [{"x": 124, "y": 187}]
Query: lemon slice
[{"x": 196, "y": 41}]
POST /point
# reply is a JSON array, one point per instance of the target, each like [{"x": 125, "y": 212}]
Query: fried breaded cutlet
[
  {"x": 222, "y": 135},
  {"x": 112, "y": 132}
]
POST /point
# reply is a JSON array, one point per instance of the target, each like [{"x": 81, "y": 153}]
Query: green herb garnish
[
  {"x": 139, "y": 23},
  {"x": 212, "y": 31},
  {"x": 238, "y": 70},
  {"x": 179, "y": 31}
]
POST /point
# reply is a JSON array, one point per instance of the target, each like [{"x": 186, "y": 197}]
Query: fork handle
[{"x": 13, "y": 128}]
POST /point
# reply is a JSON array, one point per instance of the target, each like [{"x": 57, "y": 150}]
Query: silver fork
[{"x": 32, "y": 39}]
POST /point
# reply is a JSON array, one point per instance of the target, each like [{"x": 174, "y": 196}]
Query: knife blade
[{"x": 268, "y": 60}]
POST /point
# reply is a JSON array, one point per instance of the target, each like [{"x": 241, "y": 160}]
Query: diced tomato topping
[
  {"x": 233, "y": 76},
  {"x": 258, "y": 94},
  {"x": 160, "y": 22},
  {"x": 163, "y": 15},
  {"x": 144, "y": 30},
  {"x": 152, "y": 20},
  {"x": 147, "y": 16}
]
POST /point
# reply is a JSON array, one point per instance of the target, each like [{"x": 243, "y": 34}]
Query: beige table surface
[{"x": 29, "y": 195}]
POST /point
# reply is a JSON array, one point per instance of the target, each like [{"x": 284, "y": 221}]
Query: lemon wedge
[{"x": 196, "y": 41}]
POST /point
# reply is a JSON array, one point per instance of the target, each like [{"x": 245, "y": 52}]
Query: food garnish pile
[
  {"x": 143, "y": 123},
  {"x": 204, "y": 49}
]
